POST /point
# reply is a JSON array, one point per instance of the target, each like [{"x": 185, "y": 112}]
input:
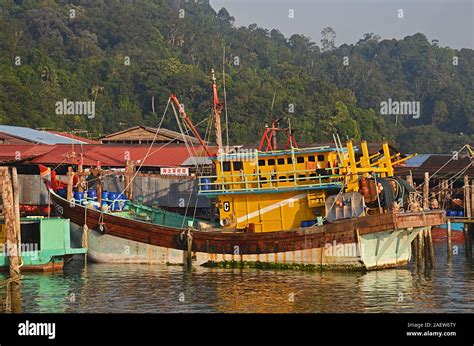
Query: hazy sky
[{"x": 449, "y": 21}]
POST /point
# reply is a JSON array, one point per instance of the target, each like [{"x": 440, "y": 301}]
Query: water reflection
[{"x": 160, "y": 289}]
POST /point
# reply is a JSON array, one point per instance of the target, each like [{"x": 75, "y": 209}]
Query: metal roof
[
  {"x": 116, "y": 155},
  {"x": 73, "y": 136},
  {"x": 417, "y": 161},
  {"x": 36, "y": 136}
]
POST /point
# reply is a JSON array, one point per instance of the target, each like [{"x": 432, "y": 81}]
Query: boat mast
[
  {"x": 189, "y": 122},
  {"x": 216, "y": 110}
]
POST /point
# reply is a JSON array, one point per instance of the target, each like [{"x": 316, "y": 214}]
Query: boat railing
[{"x": 273, "y": 180}]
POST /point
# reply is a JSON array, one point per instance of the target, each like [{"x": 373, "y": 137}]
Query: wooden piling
[
  {"x": 70, "y": 179},
  {"x": 467, "y": 240},
  {"x": 129, "y": 172},
  {"x": 467, "y": 197},
  {"x": 99, "y": 188},
  {"x": 472, "y": 198},
  {"x": 415, "y": 248},
  {"x": 430, "y": 247},
  {"x": 420, "y": 259},
  {"x": 80, "y": 174},
  {"x": 426, "y": 253},
  {"x": 11, "y": 224},
  {"x": 16, "y": 202},
  {"x": 448, "y": 240},
  {"x": 426, "y": 190}
]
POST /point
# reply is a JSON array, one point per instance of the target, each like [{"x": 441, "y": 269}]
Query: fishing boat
[
  {"x": 45, "y": 244},
  {"x": 302, "y": 208},
  {"x": 440, "y": 234}
]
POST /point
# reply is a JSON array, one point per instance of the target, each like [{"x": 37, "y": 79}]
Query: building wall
[{"x": 168, "y": 192}]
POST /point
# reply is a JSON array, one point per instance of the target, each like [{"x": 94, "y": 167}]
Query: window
[
  {"x": 289, "y": 160},
  {"x": 271, "y": 162},
  {"x": 312, "y": 176},
  {"x": 300, "y": 159},
  {"x": 226, "y": 166},
  {"x": 291, "y": 178},
  {"x": 281, "y": 161},
  {"x": 302, "y": 177},
  {"x": 321, "y": 171},
  {"x": 282, "y": 178},
  {"x": 261, "y": 162},
  {"x": 311, "y": 158},
  {"x": 238, "y": 165},
  {"x": 320, "y": 157},
  {"x": 263, "y": 180}
]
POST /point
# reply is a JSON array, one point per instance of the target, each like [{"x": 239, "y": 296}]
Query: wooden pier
[{"x": 456, "y": 199}]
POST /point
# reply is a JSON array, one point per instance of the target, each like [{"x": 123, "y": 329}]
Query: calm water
[{"x": 145, "y": 288}]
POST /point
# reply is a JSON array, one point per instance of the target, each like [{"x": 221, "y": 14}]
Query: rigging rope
[{"x": 147, "y": 154}]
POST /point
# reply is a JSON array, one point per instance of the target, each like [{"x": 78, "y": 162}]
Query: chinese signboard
[{"x": 181, "y": 171}]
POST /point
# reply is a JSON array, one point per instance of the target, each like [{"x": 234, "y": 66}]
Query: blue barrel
[
  {"x": 92, "y": 194},
  {"x": 112, "y": 200},
  {"x": 105, "y": 195},
  {"x": 62, "y": 192},
  {"x": 308, "y": 223},
  {"x": 205, "y": 184},
  {"x": 104, "y": 205},
  {"x": 460, "y": 213},
  {"x": 121, "y": 202},
  {"x": 450, "y": 213},
  {"x": 78, "y": 196}
]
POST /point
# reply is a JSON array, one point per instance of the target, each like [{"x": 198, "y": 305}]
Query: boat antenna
[
  {"x": 216, "y": 109},
  {"x": 225, "y": 102},
  {"x": 289, "y": 129},
  {"x": 273, "y": 103}
]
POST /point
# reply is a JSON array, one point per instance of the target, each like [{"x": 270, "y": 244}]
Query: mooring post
[
  {"x": 467, "y": 240},
  {"x": 420, "y": 259},
  {"x": 80, "y": 174},
  {"x": 448, "y": 239},
  {"x": 11, "y": 227},
  {"x": 472, "y": 198},
  {"x": 415, "y": 248},
  {"x": 426, "y": 245},
  {"x": 129, "y": 172},
  {"x": 70, "y": 177},
  {"x": 16, "y": 201},
  {"x": 426, "y": 191},
  {"x": 99, "y": 188},
  {"x": 430, "y": 247},
  {"x": 467, "y": 197}
]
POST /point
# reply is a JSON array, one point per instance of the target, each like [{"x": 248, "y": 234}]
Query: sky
[{"x": 449, "y": 21}]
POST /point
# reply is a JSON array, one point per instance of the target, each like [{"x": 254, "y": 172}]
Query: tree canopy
[{"x": 122, "y": 54}]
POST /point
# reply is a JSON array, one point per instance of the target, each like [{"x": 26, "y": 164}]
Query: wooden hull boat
[
  {"x": 367, "y": 242},
  {"x": 45, "y": 246}
]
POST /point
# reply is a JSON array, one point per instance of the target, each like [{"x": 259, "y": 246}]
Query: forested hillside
[{"x": 122, "y": 53}]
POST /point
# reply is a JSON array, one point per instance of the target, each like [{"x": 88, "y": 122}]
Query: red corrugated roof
[
  {"x": 10, "y": 152},
  {"x": 116, "y": 155}
]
